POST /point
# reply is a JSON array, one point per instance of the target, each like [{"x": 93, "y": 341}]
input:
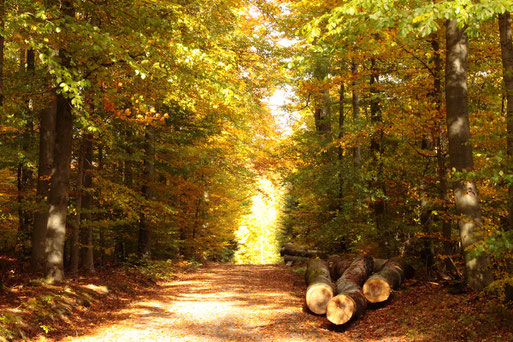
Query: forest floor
[{"x": 239, "y": 303}]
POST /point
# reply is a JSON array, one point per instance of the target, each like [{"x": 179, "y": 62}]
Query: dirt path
[
  {"x": 222, "y": 303},
  {"x": 265, "y": 303}
]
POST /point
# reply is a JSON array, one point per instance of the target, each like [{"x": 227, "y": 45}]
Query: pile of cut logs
[{"x": 357, "y": 281}]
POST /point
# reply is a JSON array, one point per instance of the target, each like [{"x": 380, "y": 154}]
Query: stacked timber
[
  {"x": 359, "y": 281},
  {"x": 319, "y": 291},
  {"x": 350, "y": 301},
  {"x": 379, "y": 286}
]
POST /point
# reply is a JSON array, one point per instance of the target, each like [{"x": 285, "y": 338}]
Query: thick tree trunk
[
  {"x": 379, "y": 286},
  {"x": 319, "y": 291},
  {"x": 507, "y": 64},
  {"x": 144, "y": 244},
  {"x": 477, "y": 272},
  {"x": 57, "y": 214},
  {"x": 86, "y": 228},
  {"x": 350, "y": 301}
]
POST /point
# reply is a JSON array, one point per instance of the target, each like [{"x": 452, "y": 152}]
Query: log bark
[
  {"x": 293, "y": 259},
  {"x": 320, "y": 290},
  {"x": 290, "y": 249},
  {"x": 338, "y": 265},
  {"x": 378, "y": 264},
  {"x": 350, "y": 301},
  {"x": 379, "y": 286}
]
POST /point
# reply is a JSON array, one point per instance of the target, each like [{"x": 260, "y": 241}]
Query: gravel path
[{"x": 223, "y": 303}]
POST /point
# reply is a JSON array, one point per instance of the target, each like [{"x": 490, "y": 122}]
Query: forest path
[{"x": 222, "y": 303}]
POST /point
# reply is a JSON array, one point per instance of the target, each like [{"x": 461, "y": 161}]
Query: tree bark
[
  {"x": 350, "y": 301},
  {"x": 379, "y": 286},
  {"x": 75, "y": 232},
  {"x": 338, "y": 265},
  {"x": 340, "y": 150},
  {"x": 57, "y": 214},
  {"x": 45, "y": 172},
  {"x": 144, "y": 244},
  {"x": 319, "y": 291},
  {"x": 293, "y": 259},
  {"x": 477, "y": 272},
  {"x": 507, "y": 64},
  {"x": 2, "y": 47},
  {"x": 25, "y": 172},
  {"x": 376, "y": 146},
  {"x": 86, "y": 228},
  {"x": 356, "y": 112}
]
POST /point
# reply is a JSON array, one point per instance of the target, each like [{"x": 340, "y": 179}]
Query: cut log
[
  {"x": 378, "y": 264},
  {"x": 379, "y": 286},
  {"x": 320, "y": 290},
  {"x": 338, "y": 265},
  {"x": 350, "y": 301},
  {"x": 290, "y": 249},
  {"x": 292, "y": 259}
]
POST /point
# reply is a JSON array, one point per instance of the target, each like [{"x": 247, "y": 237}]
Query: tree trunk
[
  {"x": 144, "y": 244},
  {"x": 376, "y": 147},
  {"x": 340, "y": 150},
  {"x": 86, "y": 228},
  {"x": 350, "y": 301},
  {"x": 356, "y": 112},
  {"x": 57, "y": 213},
  {"x": 75, "y": 232},
  {"x": 319, "y": 291},
  {"x": 477, "y": 272},
  {"x": 45, "y": 172},
  {"x": 25, "y": 172},
  {"x": 60, "y": 185},
  {"x": 379, "y": 286},
  {"x": 2, "y": 47},
  {"x": 507, "y": 64}
]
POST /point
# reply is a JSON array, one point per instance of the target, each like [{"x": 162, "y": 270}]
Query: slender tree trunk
[
  {"x": 86, "y": 229},
  {"x": 45, "y": 172},
  {"x": 356, "y": 111},
  {"x": 477, "y": 272},
  {"x": 25, "y": 173},
  {"x": 75, "y": 232},
  {"x": 376, "y": 146},
  {"x": 440, "y": 146},
  {"x": 507, "y": 63},
  {"x": 144, "y": 244},
  {"x": 2, "y": 47},
  {"x": 101, "y": 243},
  {"x": 341, "y": 118}
]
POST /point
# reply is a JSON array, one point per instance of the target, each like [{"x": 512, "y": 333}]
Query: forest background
[{"x": 138, "y": 130}]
